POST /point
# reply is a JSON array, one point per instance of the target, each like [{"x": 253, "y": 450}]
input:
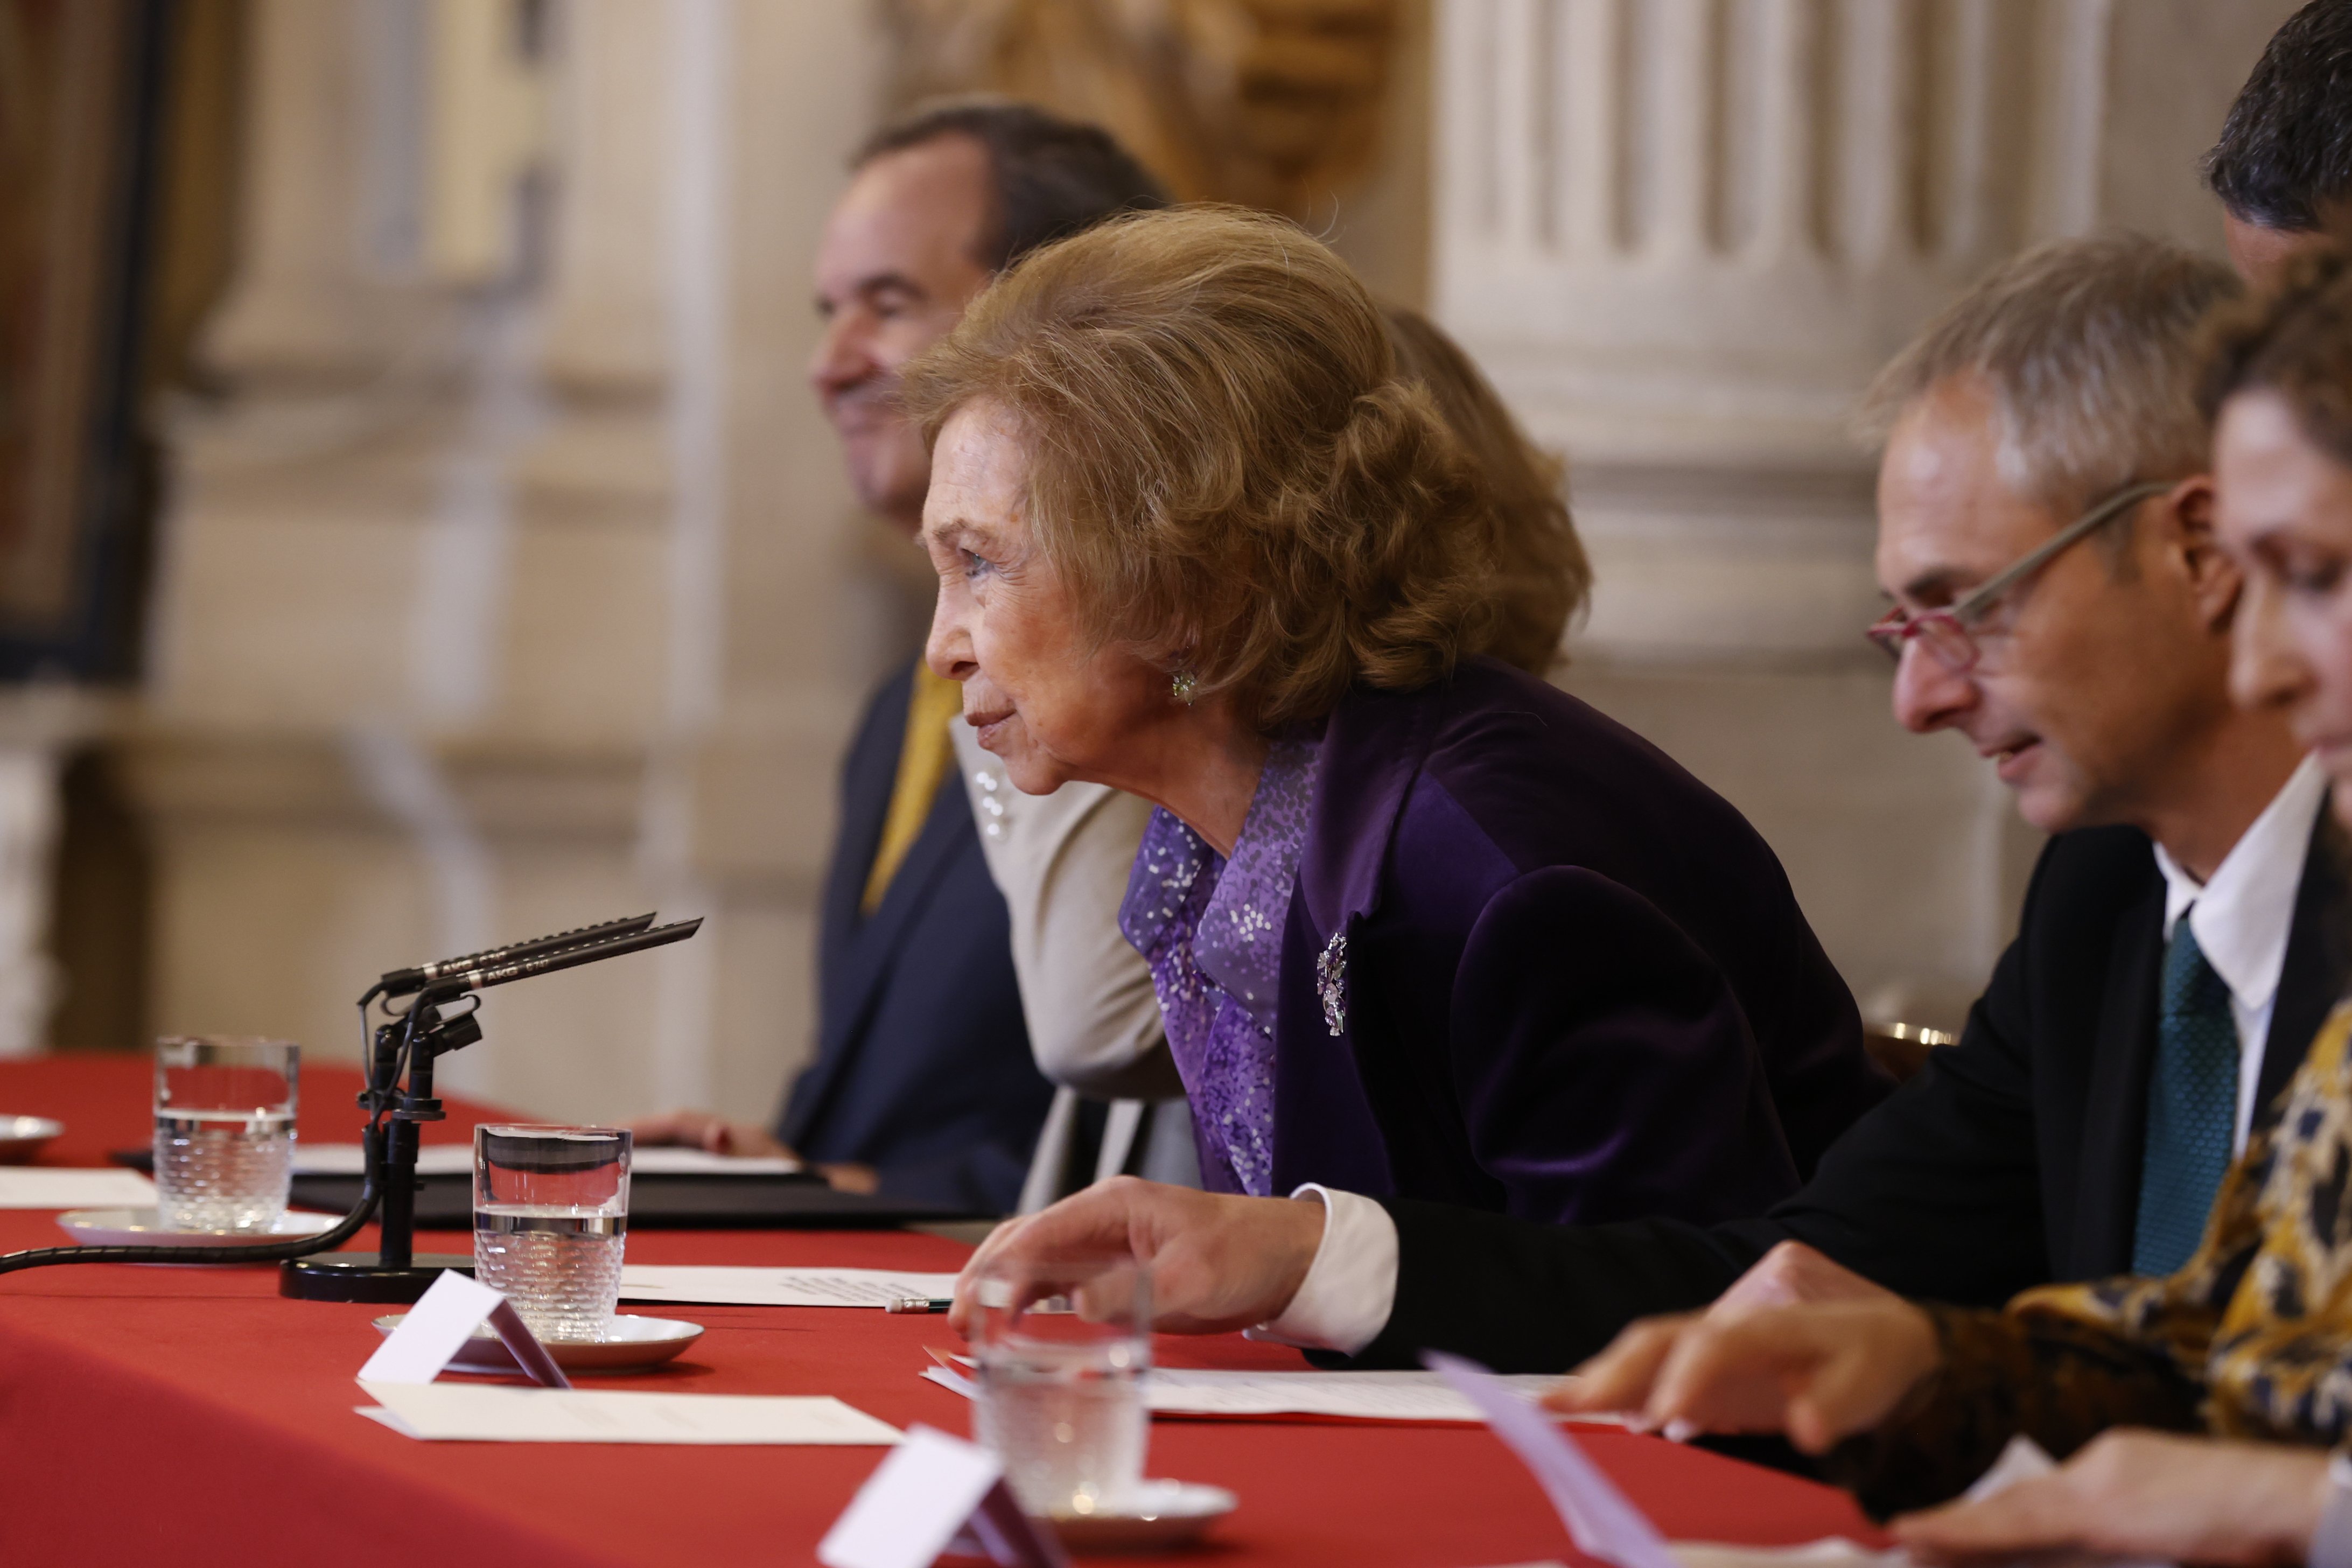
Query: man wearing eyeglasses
[{"x": 2058, "y": 600}]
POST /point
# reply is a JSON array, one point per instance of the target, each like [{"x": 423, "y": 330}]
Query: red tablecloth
[{"x": 179, "y": 1417}]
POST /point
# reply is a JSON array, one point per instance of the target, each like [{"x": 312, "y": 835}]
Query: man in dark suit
[
  {"x": 2045, "y": 534},
  {"x": 923, "y": 1085},
  {"x": 2283, "y": 163}
]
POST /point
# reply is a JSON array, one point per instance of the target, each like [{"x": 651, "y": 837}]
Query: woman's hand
[
  {"x": 1818, "y": 1373},
  {"x": 2142, "y": 1494},
  {"x": 1215, "y": 1262}
]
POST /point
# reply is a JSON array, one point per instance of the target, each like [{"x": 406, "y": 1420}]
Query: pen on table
[{"x": 919, "y": 1304}]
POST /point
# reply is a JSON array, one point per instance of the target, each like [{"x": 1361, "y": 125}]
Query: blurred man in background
[
  {"x": 2283, "y": 165},
  {"x": 923, "y": 1086}
]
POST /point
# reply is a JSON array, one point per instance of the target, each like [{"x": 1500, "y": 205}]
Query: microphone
[
  {"x": 541, "y": 959},
  {"x": 408, "y": 981}
]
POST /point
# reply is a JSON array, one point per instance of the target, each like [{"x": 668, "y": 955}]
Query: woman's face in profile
[
  {"x": 1051, "y": 707},
  {"x": 2282, "y": 509}
]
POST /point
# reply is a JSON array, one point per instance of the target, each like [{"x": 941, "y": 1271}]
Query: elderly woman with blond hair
[{"x": 1421, "y": 925}]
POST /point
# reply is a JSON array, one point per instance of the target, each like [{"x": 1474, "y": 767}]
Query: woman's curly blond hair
[{"x": 1223, "y": 464}]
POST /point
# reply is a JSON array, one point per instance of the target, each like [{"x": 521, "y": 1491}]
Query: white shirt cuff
[{"x": 1350, "y": 1288}]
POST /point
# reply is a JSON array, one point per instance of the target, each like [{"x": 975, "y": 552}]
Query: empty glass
[
  {"x": 1063, "y": 1348},
  {"x": 224, "y": 1132},
  {"x": 550, "y": 1220}
]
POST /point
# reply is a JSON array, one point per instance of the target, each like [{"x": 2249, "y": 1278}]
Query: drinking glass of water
[
  {"x": 1062, "y": 1349},
  {"x": 551, "y": 1217},
  {"x": 224, "y": 1132}
]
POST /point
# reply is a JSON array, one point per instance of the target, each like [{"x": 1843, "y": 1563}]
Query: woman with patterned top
[
  {"x": 1419, "y": 925},
  {"x": 2251, "y": 1340}
]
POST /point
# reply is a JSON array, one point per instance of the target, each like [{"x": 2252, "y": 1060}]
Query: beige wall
[
  {"x": 496, "y": 605},
  {"x": 1682, "y": 237}
]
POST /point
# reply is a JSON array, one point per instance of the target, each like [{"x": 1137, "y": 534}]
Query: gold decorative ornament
[{"x": 1270, "y": 103}]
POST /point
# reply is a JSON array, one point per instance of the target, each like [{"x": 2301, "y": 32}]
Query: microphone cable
[
  {"x": 279, "y": 1251},
  {"x": 494, "y": 966}
]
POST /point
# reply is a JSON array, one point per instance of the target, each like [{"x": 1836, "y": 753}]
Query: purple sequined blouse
[{"x": 1210, "y": 930}]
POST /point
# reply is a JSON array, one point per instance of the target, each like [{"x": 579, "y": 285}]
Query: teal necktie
[{"x": 2192, "y": 1107}]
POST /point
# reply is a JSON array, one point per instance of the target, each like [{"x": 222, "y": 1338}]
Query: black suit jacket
[
  {"x": 922, "y": 1068},
  {"x": 2011, "y": 1160}
]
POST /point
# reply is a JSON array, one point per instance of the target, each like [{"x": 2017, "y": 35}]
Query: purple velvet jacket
[{"x": 1534, "y": 967}]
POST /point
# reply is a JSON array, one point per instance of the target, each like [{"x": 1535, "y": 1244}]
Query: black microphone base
[{"x": 361, "y": 1276}]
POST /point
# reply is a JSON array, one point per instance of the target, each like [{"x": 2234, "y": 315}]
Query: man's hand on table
[
  {"x": 702, "y": 1129},
  {"x": 1818, "y": 1373},
  {"x": 2146, "y": 1495},
  {"x": 1215, "y": 1262}
]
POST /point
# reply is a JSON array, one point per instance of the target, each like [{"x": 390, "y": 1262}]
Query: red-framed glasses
[{"x": 1950, "y": 633}]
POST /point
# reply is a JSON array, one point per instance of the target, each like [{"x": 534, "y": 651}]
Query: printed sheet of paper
[
  {"x": 1354, "y": 1396},
  {"x": 54, "y": 1187},
  {"x": 458, "y": 1160},
  {"x": 448, "y": 1412},
  {"x": 779, "y": 1287},
  {"x": 1832, "y": 1552},
  {"x": 1341, "y": 1396},
  {"x": 350, "y": 1160}
]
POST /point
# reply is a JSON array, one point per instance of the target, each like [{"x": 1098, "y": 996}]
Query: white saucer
[
  {"x": 631, "y": 1344},
  {"x": 22, "y": 1137},
  {"x": 1156, "y": 1514},
  {"x": 144, "y": 1227}
]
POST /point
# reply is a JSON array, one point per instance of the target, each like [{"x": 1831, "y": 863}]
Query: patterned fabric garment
[
  {"x": 2251, "y": 1337},
  {"x": 1211, "y": 932}
]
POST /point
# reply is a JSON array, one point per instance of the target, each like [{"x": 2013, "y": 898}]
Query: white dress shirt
[
  {"x": 2242, "y": 919},
  {"x": 1350, "y": 1288},
  {"x": 2242, "y": 916}
]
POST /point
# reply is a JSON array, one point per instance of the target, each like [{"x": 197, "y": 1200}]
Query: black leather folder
[{"x": 800, "y": 1200}]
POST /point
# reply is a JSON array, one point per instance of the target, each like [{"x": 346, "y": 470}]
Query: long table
[{"x": 184, "y": 1416}]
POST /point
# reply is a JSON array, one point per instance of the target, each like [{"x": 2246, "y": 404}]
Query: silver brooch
[{"x": 1331, "y": 981}]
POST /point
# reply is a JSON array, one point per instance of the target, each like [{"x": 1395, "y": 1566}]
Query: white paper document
[
  {"x": 779, "y": 1287},
  {"x": 350, "y": 1160},
  {"x": 667, "y": 1161},
  {"x": 1347, "y": 1395},
  {"x": 1359, "y": 1395},
  {"x": 54, "y": 1187},
  {"x": 1830, "y": 1551},
  {"x": 448, "y": 1412},
  {"x": 458, "y": 1160}
]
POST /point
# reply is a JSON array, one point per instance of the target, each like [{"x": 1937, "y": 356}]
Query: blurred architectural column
[
  {"x": 1681, "y": 235},
  {"x": 465, "y": 617},
  {"x": 28, "y": 836}
]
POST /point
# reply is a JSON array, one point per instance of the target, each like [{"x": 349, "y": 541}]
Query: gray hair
[{"x": 2090, "y": 351}]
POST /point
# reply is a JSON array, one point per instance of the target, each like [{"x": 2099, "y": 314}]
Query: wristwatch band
[{"x": 2331, "y": 1544}]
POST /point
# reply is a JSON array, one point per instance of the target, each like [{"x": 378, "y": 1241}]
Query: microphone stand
[
  {"x": 404, "y": 1046},
  {"x": 394, "y": 1272},
  {"x": 442, "y": 1018}
]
